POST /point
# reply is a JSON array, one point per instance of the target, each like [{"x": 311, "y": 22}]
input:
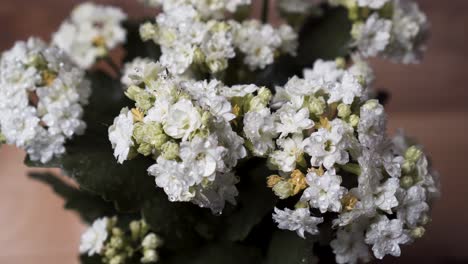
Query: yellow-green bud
[
  {"x": 406, "y": 182},
  {"x": 117, "y": 232},
  {"x": 150, "y": 133},
  {"x": 38, "y": 61},
  {"x": 151, "y": 241},
  {"x": 110, "y": 253},
  {"x": 413, "y": 154},
  {"x": 145, "y": 149},
  {"x": 149, "y": 256},
  {"x": 317, "y": 105},
  {"x": 217, "y": 65},
  {"x": 135, "y": 229},
  {"x": 418, "y": 232},
  {"x": 264, "y": 94},
  {"x": 356, "y": 30},
  {"x": 170, "y": 150},
  {"x": 117, "y": 260},
  {"x": 148, "y": 31},
  {"x": 116, "y": 242},
  {"x": 340, "y": 62},
  {"x": 371, "y": 104},
  {"x": 344, "y": 110},
  {"x": 143, "y": 99},
  {"x": 354, "y": 120},
  {"x": 301, "y": 204},
  {"x": 198, "y": 56},
  {"x": 283, "y": 189},
  {"x": 407, "y": 166}
]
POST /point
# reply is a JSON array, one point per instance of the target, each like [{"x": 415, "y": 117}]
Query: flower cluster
[
  {"x": 207, "y": 8},
  {"x": 42, "y": 95},
  {"x": 118, "y": 246},
  {"x": 90, "y": 33},
  {"x": 189, "y": 38},
  {"x": 330, "y": 150},
  {"x": 185, "y": 126},
  {"x": 394, "y": 29}
]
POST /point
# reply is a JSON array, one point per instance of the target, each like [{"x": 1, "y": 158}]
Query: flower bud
[
  {"x": 148, "y": 31},
  {"x": 354, "y": 120},
  {"x": 413, "y": 154},
  {"x": 151, "y": 241},
  {"x": 198, "y": 56},
  {"x": 317, "y": 105},
  {"x": 283, "y": 189},
  {"x": 406, "y": 182},
  {"x": 117, "y": 260},
  {"x": 135, "y": 229},
  {"x": 149, "y": 256},
  {"x": 344, "y": 110},
  {"x": 418, "y": 232},
  {"x": 116, "y": 242},
  {"x": 150, "y": 133},
  {"x": 340, "y": 62},
  {"x": 170, "y": 150},
  {"x": 217, "y": 65}
]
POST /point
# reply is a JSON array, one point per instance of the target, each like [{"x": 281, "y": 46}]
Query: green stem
[
  {"x": 265, "y": 10},
  {"x": 352, "y": 168}
]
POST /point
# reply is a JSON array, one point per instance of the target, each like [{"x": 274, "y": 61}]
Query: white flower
[
  {"x": 372, "y": 124},
  {"x": 326, "y": 71},
  {"x": 182, "y": 119},
  {"x": 412, "y": 205},
  {"x": 90, "y": 33},
  {"x": 349, "y": 246},
  {"x": 174, "y": 178},
  {"x": 298, "y": 220},
  {"x": 239, "y": 90},
  {"x": 292, "y": 150},
  {"x": 120, "y": 135},
  {"x": 203, "y": 156},
  {"x": 385, "y": 236},
  {"x": 324, "y": 192},
  {"x": 328, "y": 147},
  {"x": 372, "y": 37},
  {"x": 259, "y": 130},
  {"x": 346, "y": 90},
  {"x": 374, "y": 4},
  {"x": 92, "y": 240},
  {"x": 232, "y": 142},
  {"x": 385, "y": 197},
  {"x": 42, "y": 95},
  {"x": 178, "y": 58},
  {"x": 137, "y": 71},
  {"x": 290, "y": 121}
]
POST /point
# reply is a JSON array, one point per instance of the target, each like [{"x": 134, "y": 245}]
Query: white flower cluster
[
  {"x": 90, "y": 33},
  {"x": 42, "y": 95},
  {"x": 207, "y": 8},
  {"x": 394, "y": 29},
  {"x": 116, "y": 245},
  {"x": 329, "y": 147},
  {"x": 185, "y": 126},
  {"x": 188, "y": 38}
]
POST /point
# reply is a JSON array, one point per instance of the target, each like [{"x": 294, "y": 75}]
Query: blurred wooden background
[{"x": 428, "y": 100}]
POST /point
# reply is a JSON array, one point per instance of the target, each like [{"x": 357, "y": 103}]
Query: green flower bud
[
  {"x": 418, "y": 232},
  {"x": 150, "y": 133},
  {"x": 151, "y": 241},
  {"x": 135, "y": 229},
  {"x": 371, "y": 104},
  {"x": 145, "y": 149},
  {"x": 110, "y": 253},
  {"x": 317, "y": 105},
  {"x": 116, "y": 242},
  {"x": 354, "y": 120},
  {"x": 413, "y": 154},
  {"x": 301, "y": 204},
  {"x": 149, "y": 256},
  {"x": 170, "y": 150},
  {"x": 283, "y": 189},
  {"x": 265, "y": 95},
  {"x": 198, "y": 56},
  {"x": 38, "y": 61},
  {"x": 340, "y": 62},
  {"x": 407, "y": 166},
  {"x": 217, "y": 65},
  {"x": 406, "y": 182},
  {"x": 387, "y": 11},
  {"x": 344, "y": 110},
  {"x": 148, "y": 31},
  {"x": 117, "y": 232},
  {"x": 143, "y": 99},
  {"x": 117, "y": 260},
  {"x": 356, "y": 30}
]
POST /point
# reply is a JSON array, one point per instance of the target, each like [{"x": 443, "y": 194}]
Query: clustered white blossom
[
  {"x": 188, "y": 37},
  {"x": 336, "y": 156},
  {"x": 185, "y": 126},
  {"x": 90, "y": 33},
  {"x": 105, "y": 238},
  {"x": 42, "y": 95},
  {"x": 393, "y": 29}
]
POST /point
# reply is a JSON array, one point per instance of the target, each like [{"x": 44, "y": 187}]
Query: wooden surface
[{"x": 428, "y": 100}]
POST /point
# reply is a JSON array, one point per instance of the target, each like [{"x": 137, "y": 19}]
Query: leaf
[
  {"x": 287, "y": 247},
  {"x": 135, "y": 46},
  {"x": 85, "y": 259},
  {"x": 89, "y": 158},
  {"x": 326, "y": 37},
  {"x": 87, "y": 205},
  {"x": 255, "y": 201},
  {"x": 216, "y": 253}
]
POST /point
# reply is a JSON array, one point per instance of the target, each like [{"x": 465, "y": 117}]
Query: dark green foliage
[
  {"x": 287, "y": 247},
  {"x": 135, "y": 46}
]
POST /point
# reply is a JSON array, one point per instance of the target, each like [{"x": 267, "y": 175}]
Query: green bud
[
  {"x": 142, "y": 98},
  {"x": 217, "y": 65},
  {"x": 198, "y": 56},
  {"x": 265, "y": 95},
  {"x": 418, "y": 232},
  {"x": 407, "y": 166},
  {"x": 387, "y": 11},
  {"x": 371, "y": 104},
  {"x": 150, "y": 133},
  {"x": 117, "y": 260},
  {"x": 145, "y": 149},
  {"x": 170, "y": 150},
  {"x": 354, "y": 120},
  {"x": 149, "y": 256},
  {"x": 406, "y": 182},
  {"x": 135, "y": 229},
  {"x": 301, "y": 204},
  {"x": 38, "y": 61},
  {"x": 116, "y": 242},
  {"x": 352, "y": 168},
  {"x": 151, "y": 241},
  {"x": 340, "y": 62},
  {"x": 283, "y": 189},
  {"x": 117, "y": 232},
  {"x": 148, "y": 31},
  {"x": 317, "y": 105},
  {"x": 344, "y": 110},
  {"x": 110, "y": 253},
  {"x": 356, "y": 30},
  {"x": 413, "y": 154}
]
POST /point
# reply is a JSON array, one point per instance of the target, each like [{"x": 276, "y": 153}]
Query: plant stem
[{"x": 265, "y": 10}]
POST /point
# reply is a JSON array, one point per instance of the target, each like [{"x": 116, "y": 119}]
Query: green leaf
[
  {"x": 287, "y": 247},
  {"x": 135, "y": 47},
  {"x": 89, "y": 158},
  {"x": 255, "y": 200},
  {"x": 325, "y": 37},
  {"x": 87, "y": 205}
]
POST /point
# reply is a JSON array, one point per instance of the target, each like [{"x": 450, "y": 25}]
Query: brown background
[{"x": 428, "y": 100}]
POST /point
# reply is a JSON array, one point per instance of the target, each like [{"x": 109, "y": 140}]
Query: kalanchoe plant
[{"x": 222, "y": 138}]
